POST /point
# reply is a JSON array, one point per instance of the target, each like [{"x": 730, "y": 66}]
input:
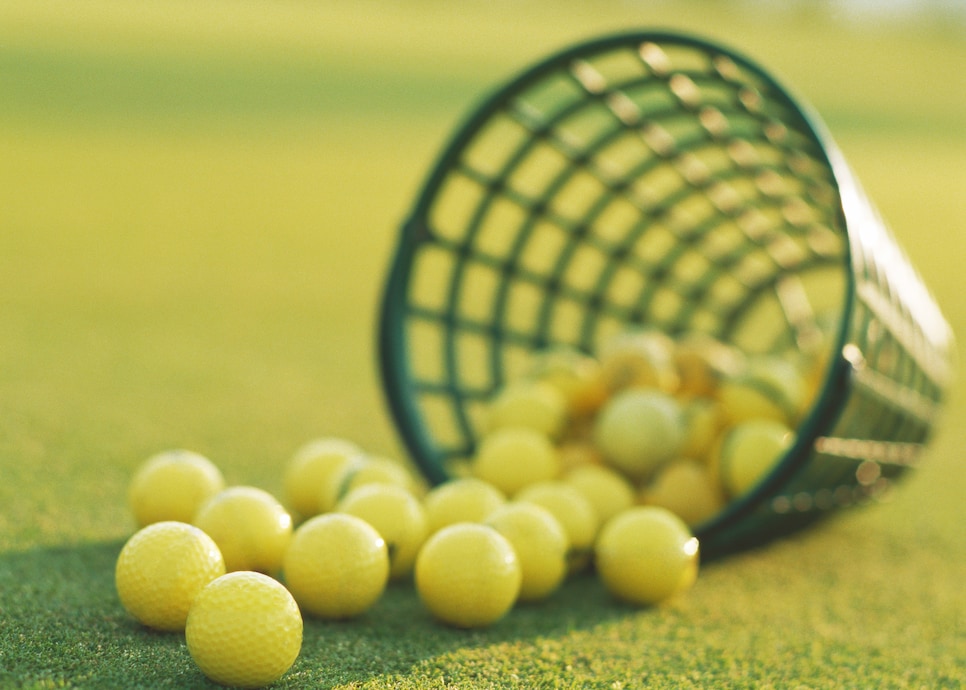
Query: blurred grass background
[{"x": 198, "y": 201}]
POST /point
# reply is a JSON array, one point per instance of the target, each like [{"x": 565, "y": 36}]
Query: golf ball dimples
[
  {"x": 336, "y": 566},
  {"x": 244, "y": 630},
  {"x": 162, "y": 568},
  {"x": 250, "y": 526}
]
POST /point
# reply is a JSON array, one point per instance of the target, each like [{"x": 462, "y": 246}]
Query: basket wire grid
[{"x": 658, "y": 179}]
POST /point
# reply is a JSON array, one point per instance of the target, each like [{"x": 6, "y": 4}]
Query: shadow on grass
[
  {"x": 399, "y": 633},
  {"x": 61, "y": 625}
]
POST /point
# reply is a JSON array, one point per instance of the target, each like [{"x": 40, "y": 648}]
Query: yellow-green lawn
[{"x": 198, "y": 203}]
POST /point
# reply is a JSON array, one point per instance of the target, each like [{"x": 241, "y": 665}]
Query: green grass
[{"x": 198, "y": 202}]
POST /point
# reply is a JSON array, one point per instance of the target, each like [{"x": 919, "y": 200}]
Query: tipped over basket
[{"x": 661, "y": 180}]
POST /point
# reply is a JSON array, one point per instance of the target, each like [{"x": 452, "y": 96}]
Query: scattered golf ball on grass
[
  {"x": 540, "y": 543},
  {"x": 250, "y": 526},
  {"x": 160, "y": 571},
  {"x": 468, "y": 575},
  {"x": 399, "y": 518},
  {"x": 171, "y": 485},
  {"x": 379, "y": 470},
  {"x": 336, "y": 566},
  {"x": 575, "y": 513},
  {"x": 606, "y": 461},
  {"x": 244, "y": 630},
  {"x": 607, "y": 490},
  {"x": 646, "y": 556}
]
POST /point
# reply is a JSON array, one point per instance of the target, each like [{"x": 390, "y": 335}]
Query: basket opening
[{"x": 655, "y": 180}]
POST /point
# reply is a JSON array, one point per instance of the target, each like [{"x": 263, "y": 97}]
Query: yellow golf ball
[
  {"x": 639, "y": 358},
  {"x": 607, "y": 490},
  {"x": 244, "y": 630},
  {"x": 466, "y": 499},
  {"x": 578, "y": 452},
  {"x": 336, "y": 566},
  {"x": 540, "y": 544},
  {"x": 311, "y": 467},
  {"x": 576, "y": 375},
  {"x": 748, "y": 451},
  {"x": 768, "y": 387},
  {"x": 161, "y": 569},
  {"x": 511, "y": 458},
  {"x": 638, "y": 430},
  {"x": 397, "y": 515},
  {"x": 575, "y": 513},
  {"x": 686, "y": 488},
  {"x": 468, "y": 575},
  {"x": 250, "y": 526},
  {"x": 171, "y": 485},
  {"x": 378, "y": 470},
  {"x": 703, "y": 362},
  {"x": 704, "y": 420},
  {"x": 528, "y": 403},
  {"x": 646, "y": 555}
]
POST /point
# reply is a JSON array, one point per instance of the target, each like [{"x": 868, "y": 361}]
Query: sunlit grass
[{"x": 198, "y": 202}]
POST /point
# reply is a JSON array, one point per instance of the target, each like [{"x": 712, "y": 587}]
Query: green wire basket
[{"x": 658, "y": 179}]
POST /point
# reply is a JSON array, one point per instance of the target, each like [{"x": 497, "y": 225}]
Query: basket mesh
[{"x": 658, "y": 179}]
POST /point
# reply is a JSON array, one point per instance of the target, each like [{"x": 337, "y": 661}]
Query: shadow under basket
[{"x": 657, "y": 179}]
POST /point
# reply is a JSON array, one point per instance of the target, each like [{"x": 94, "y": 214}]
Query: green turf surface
[{"x": 197, "y": 205}]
